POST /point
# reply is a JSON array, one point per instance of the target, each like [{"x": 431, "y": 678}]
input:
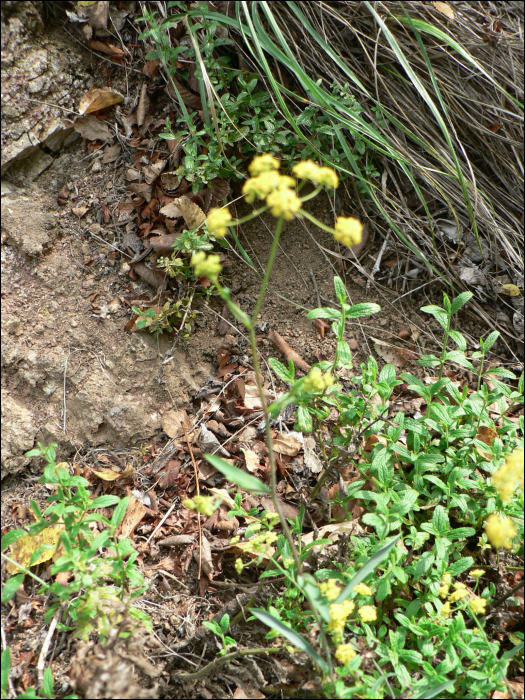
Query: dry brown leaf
[
  {"x": 163, "y": 243},
  {"x": 208, "y": 443},
  {"x": 252, "y": 460},
  {"x": 204, "y": 554},
  {"x": 171, "y": 179},
  {"x": 143, "y": 104},
  {"x": 251, "y": 397},
  {"x": 287, "y": 445},
  {"x": 111, "y": 154},
  {"x": 152, "y": 172},
  {"x": 289, "y": 511},
  {"x": 187, "y": 97},
  {"x": 79, "y": 211},
  {"x": 23, "y": 549},
  {"x": 220, "y": 190},
  {"x": 112, "y": 474},
  {"x": 311, "y": 460},
  {"x": 171, "y": 210},
  {"x": 392, "y": 354},
  {"x": 97, "y": 13},
  {"x": 333, "y": 531},
  {"x": 485, "y": 434},
  {"x": 173, "y": 421},
  {"x": 134, "y": 514},
  {"x": 92, "y": 129},
  {"x": 142, "y": 189},
  {"x": 444, "y": 8},
  {"x": 192, "y": 213},
  {"x": 99, "y": 98},
  {"x": 150, "y": 68},
  {"x": 109, "y": 49}
]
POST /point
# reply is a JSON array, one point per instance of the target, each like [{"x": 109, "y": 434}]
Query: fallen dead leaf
[
  {"x": 252, "y": 460},
  {"x": 192, "y": 213},
  {"x": 98, "y": 98},
  {"x": 23, "y": 549},
  {"x": 171, "y": 210},
  {"x": 392, "y": 354},
  {"x": 92, "y": 129},
  {"x": 172, "y": 422},
  {"x": 112, "y": 475},
  {"x": 286, "y": 444},
  {"x": 444, "y": 8},
  {"x": 134, "y": 514},
  {"x": 111, "y": 154}
]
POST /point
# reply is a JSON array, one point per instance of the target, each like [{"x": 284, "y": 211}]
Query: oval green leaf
[{"x": 242, "y": 479}]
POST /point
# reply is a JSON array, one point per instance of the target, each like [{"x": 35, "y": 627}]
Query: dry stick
[
  {"x": 198, "y": 494},
  {"x": 227, "y": 657},
  {"x": 160, "y": 524},
  {"x": 377, "y": 263},
  {"x": 287, "y": 351},
  {"x": 45, "y": 647},
  {"x": 496, "y": 604}
]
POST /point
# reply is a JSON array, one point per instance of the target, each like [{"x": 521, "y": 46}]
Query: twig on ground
[
  {"x": 45, "y": 647},
  {"x": 228, "y": 657},
  {"x": 377, "y": 263},
  {"x": 287, "y": 351}
]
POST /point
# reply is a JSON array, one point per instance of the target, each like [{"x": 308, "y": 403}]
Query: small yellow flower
[
  {"x": 235, "y": 539},
  {"x": 308, "y": 170},
  {"x": 209, "y": 266},
  {"x": 363, "y": 589},
  {"x": 348, "y": 231},
  {"x": 443, "y": 591},
  {"x": 345, "y": 653},
  {"x": 459, "y": 586},
  {"x": 287, "y": 562},
  {"x": 458, "y": 594},
  {"x": 205, "y": 505},
  {"x": 218, "y": 221},
  {"x": 315, "y": 380},
  {"x": 446, "y": 579},
  {"x": 262, "y": 185},
  {"x": 445, "y": 610},
  {"x": 239, "y": 566},
  {"x": 367, "y": 613},
  {"x": 338, "y": 614},
  {"x": 477, "y": 573},
  {"x": 478, "y": 605},
  {"x": 500, "y": 531},
  {"x": 509, "y": 475},
  {"x": 263, "y": 163},
  {"x": 189, "y": 503},
  {"x": 283, "y": 202},
  {"x": 330, "y": 589}
]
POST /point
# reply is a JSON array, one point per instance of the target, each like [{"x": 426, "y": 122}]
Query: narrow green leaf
[
  {"x": 324, "y": 312},
  {"x": 460, "y": 301},
  {"x": 120, "y": 512},
  {"x": 11, "y": 586},
  {"x": 366, "y": 309},
  {"x": 280, "y": 370},
  {"x": 104, "y": 501},
  {"x": 47, "y": 683},
  {"x": 344, "y": 354},
  {"x": 5, "y": 667},
  {"x": 490, "y": 340},
  {"x": 296, "y": 639},
  {"x": 245, "y": 481},
  {"x": 340, "y": 290},
  {"x": 12, "y": 536},
  {"x": 367, "y": 569}
]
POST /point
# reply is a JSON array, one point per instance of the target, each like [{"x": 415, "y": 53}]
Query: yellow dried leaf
[
  {"x": 510, "y": 290},
  {"x": 112, "y": 475},
  {"x": 98, "y": 98},
  {"x": 444, "y": 8},
  {"x": 23, "y": 549},
  {"x": 192, "y": 213}
]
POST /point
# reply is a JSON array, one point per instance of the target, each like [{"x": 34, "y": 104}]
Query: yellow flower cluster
[
  {"x": 308, "y": 170},
  {"x": 267, "y": 183},
  {"x": 218, "y": 220},
  {"x": 363, "y": 589},
  {"x": 478, "y": 605},
  {"x": 330, "y": 589},
  {"x": 315, "y": 380},
  {"x": 261, "y": 164},
  {"x": 345, "y": 653},
  {"x": 477, "y": 573},
  {"x": 202, "y": 504},
  {"x": 367, "y": 613},
  {"x": 446, "y": 580},
  {"x": 459, "y": 593},
  {"x": 338, "y": 614},
  {"x": 210, "y": 265},
  {"x": 348, "y": 231},
  {"x": 445, "y": 610},
  {"x": 260, "y": 543},
  {"x": 239, "y": 566},
  {"x": 509, "y": 475},
  {"x": 500, "y": 531}
]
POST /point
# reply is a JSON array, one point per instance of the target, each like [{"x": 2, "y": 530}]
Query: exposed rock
[{"x": 18, "y": 435}]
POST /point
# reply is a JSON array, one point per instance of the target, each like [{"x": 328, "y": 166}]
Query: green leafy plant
[
  {"x": 166, "y": 318},
  {"x": 98, "y": 595},
  {"x": 220, "y": 629},
  {"x": 30, "y": 693}
]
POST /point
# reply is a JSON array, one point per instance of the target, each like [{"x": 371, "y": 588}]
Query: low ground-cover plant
[
  {"x": 96, "y": 577},
  {"x": 426, "y": 483}
]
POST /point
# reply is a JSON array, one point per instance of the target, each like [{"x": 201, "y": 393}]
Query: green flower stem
[
  {"x": 266, "y": 278},
  {"x": 249, "y": 217},
  {"x": 315, "y": 221}
]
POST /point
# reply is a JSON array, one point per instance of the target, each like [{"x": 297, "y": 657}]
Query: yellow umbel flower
[
  {"x": 308, "y": 170},
  {"x": 338, "y": 614},
  {"x": 345, "y": 653},
  {"x": 477, "y": 573},
  {"x": 218, "y": 221},
  {"x": 239, "y": 566},
  {"x": 263, "y": 163},
  {"x": 202, "y": 504},
  {"x": 445, "y": 610},
  {"x": 500, "y": 531},
  {"x": 363, "y": 589},
  {"x": 330, "y": 588},
  {"x": 262, "y": 185},
  {"x": 478, "y": 605},
  {"x": 315, "y": 380},
  {"x": 284, "y": 202},
  {"x": 509, "y": 475},
  {"x": 210, "y": 265},
  {"x": 348, "y": 231},
  {"x": 459, "y": 593},
  {"x": 367, "y": 613}
]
